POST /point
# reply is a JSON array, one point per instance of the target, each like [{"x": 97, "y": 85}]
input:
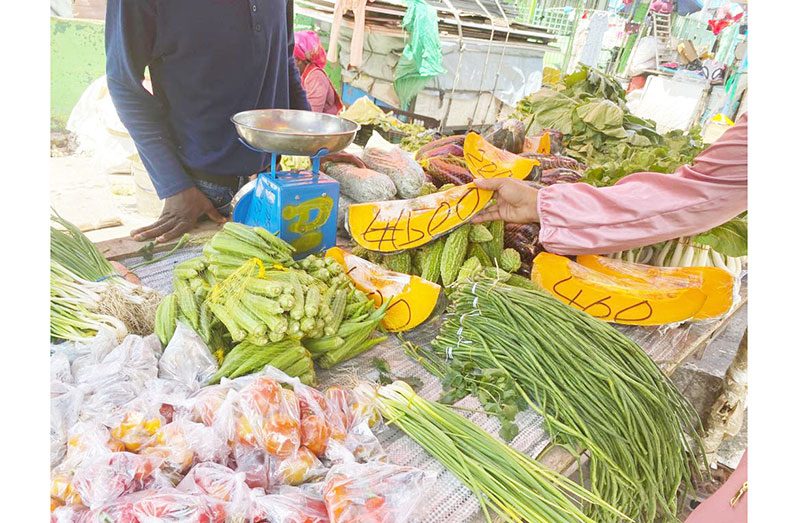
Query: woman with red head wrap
[{"x": 310, "y": 59}]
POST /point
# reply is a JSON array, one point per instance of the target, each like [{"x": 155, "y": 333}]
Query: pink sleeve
[
  {"x": 316, "y": 90},
  {"x": 647, "y": 208}
]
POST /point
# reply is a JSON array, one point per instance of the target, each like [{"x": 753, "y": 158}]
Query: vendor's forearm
[
  {"x": 129, "y": 37},
  {"x": 647, "y": 208}
]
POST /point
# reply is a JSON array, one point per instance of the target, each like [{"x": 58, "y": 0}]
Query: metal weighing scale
[{"x": 301, "y": 207}]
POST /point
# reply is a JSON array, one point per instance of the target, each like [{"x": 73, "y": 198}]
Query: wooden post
[{"x": 728, "y": 412}]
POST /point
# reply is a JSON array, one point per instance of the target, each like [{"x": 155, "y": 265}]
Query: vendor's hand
[
  {"x": 180, "y": 214},
  {"x": 516, "y": 202}
]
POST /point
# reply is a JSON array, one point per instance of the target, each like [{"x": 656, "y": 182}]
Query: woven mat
[{"x": 449, "y": 501}]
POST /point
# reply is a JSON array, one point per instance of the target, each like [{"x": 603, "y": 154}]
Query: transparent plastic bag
[
  {"x": 182, "y": 444},
  {"x": 60, "y": 368},
  {"x": 81, "y": 354},
  {"x": 136, "y": 423},
  {"x": 206, "y": 404},
  {"x": 298, "y": 468},
  {"x": 133, "y": 360},
  {"x": 88, "y": 440},
  {"x": 254, "y": 463},
  {"x": 186, "y": 359},
  {"x": 268, "y": 418},
  {"x": 289, "y": 505},
  {"x": 67, "y": 514},
  {"x": 119, "y": 377},
  {"x": 65, "y": 405},
  {"x": 160, "y": 506},
  {"x": 107, "y": 478},
  {"x": 221, "y": 484},
  {"x": 314, "y": 427},
  {"x": 375, "y": 492}
]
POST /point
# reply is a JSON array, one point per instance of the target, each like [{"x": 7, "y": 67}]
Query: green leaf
[
  {"x": 508, "y": 430},
  {"x": 381, "y": 365},
  {"x": 576, "y": 77},
  {"x": 729, "y": 239},
  {"x": 552, "y": 110},
  {"x": 415, "y": 383},
  {"x": 602, "y": 115}
]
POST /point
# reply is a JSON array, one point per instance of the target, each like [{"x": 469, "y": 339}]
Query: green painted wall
[{"x": 77, "y": 52}]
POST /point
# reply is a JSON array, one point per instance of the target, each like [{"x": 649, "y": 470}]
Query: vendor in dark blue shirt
[{"x": 208, "y": 59}]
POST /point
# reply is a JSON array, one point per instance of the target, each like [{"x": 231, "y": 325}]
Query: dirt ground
[{"x": 102, "y": 204}]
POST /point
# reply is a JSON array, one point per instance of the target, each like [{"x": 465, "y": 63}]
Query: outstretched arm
[{"x": 641, "y": 209}]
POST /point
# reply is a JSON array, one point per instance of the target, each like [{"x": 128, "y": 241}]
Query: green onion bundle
[
  {"x": 504, "y": 480},
  {"x": 85, "y": 293},
  {"x": 596, "y": 389},
  {"x": 74, "y": 251}
]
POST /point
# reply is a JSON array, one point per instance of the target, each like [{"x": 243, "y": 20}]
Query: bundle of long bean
[
  {"x": 596, "y": 389},
  {"x": 504, "y": 480}
]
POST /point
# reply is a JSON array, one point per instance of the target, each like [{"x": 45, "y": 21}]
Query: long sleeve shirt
[
  {"x": 647, "y": 208},
  {"x": 320, "y": 92},
  {"x": 208, "y": 59}
]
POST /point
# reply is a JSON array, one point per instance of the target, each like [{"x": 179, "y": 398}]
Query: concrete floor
[{"x": 102, "y": 204}]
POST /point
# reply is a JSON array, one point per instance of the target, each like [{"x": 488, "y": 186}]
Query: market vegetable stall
[{"x": 450, "y": 500}]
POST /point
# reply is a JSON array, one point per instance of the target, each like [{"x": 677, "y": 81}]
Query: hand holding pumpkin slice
[{"x": 516, "y": 201}]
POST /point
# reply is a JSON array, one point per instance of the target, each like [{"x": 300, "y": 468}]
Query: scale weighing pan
[
  {"x": 294, "y": 133},
  {"x": 298, "y": 206}
]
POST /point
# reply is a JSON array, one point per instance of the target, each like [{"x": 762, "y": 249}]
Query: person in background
[
  {"x": 642, "y": 209},
  {"x": 311, "y": 59},
  {"x": 208, "y": 60}
]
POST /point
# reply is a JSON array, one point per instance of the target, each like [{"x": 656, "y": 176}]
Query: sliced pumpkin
[
  {"x": 412, "y": 299},
  {"x": 538, "y": 144},
  {"x": 614, "y": 299},
  {"x": 397, "y": 225},
  {"x": 487, "y": 161},
  {"x": 716, "y": 283}
]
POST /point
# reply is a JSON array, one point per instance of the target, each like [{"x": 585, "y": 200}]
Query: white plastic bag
[
  {"x": 60, "y": 368},
  {"x": 397, "y": 164},
  {"x": 119, "y": 377},
  {"x": 99, "y": 131},
  {"x": 65, "y": 405},
  {"x": 187, "y": 359},
  {"x": 644, "y": 57}
]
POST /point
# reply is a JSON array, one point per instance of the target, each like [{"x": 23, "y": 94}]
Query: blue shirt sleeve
[
  {"x": 297, "y": 98},
  {"x": 129, "y": 43}
]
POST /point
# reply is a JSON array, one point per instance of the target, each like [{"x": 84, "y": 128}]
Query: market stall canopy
[
  {"x": 487, "y": 19},
  {"x": 490, "y": 61}
]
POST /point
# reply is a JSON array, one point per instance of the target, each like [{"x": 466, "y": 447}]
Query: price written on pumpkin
[
  {"x": 411, "y": 299},
  {"x": 399, "y": 225},
  {"x": 418, "y": 222},
  {"x": 569, "y": 291}
]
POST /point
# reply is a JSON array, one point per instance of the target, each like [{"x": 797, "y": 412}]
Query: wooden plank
[{"x": 126, "y": 247}]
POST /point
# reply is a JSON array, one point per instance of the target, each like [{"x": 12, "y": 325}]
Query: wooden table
[{"x": 669, "y": 349}]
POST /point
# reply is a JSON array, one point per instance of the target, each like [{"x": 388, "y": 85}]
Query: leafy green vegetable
[
  {"x": 589, "y": 108},
  {"x": 603, "y": 116},
  {"x": 730, "y": 239}
]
